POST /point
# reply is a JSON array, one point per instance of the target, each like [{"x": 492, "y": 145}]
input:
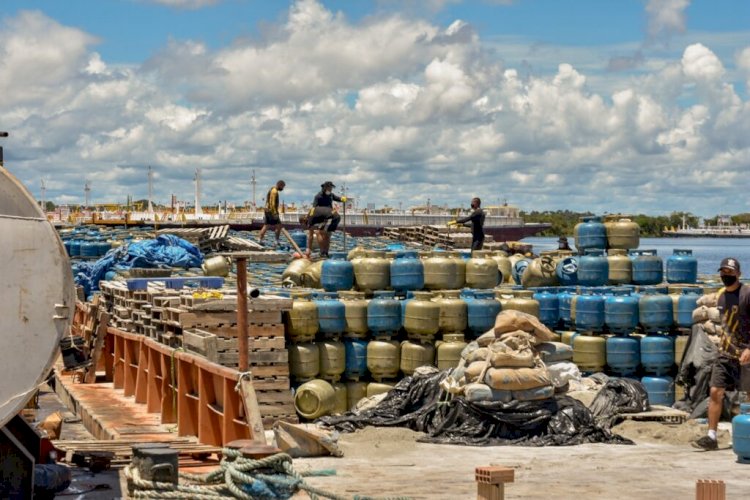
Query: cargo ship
[{"x": 723, "y": 229}]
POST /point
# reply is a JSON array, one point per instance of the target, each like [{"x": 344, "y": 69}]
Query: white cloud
[{"x": 666, "y": 18}]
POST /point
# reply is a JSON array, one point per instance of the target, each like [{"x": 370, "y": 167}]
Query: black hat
[
  {"x": 328, "y": 184},
  {"x": 730, "y": 263},
  {"x": 561, "y": 239}
]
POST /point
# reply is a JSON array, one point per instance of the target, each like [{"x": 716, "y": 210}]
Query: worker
[
  {"x": 476, "y": 220},
  {"x": 562, "y": 243},
  {"x": 734, "y": 346},
  {"x": 323, "y": 218},
  {"x": 271, "y": 212}
]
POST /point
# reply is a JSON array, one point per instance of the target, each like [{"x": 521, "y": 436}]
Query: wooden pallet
[{"x": 658, "y": 413}]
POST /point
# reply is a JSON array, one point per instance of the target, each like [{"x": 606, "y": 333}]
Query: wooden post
[
  {"x": 708, "y": 489},
  {"x": 242, "y": 312},
  {"x": 491, "y": 481}
]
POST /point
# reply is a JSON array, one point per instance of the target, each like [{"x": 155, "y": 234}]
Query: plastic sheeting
[
  {"x": 618, "y": 396},
  {"x": 165, "y": 251},
  {"x": 416, "y": 403}
]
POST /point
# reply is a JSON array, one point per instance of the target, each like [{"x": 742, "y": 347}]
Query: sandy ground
[{"x": 662, "y": 465}]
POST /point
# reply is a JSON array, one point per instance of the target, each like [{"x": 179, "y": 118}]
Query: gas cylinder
[
  {"x": 621, "y": 311},
  {"x": 680, "y": 344},
  {"x": 657, "y": 354},
  {"x": 482, "y": 309},
  {"x": 216, "y": 266},
  {"x": 337, "y": 273},
  {"x": 422, "y": 316},
  {"x": 565, "y": 297},
  {"x": 416, "y": 354},
  {"x": 684, "y": 306},
  {"x": 331, "y": 313},
  {"x": 622, "y": 233},
  {"x": 620, "y": 267},
  {"x": 549, "y": 306},
  {"x": 449, "y": 350},
  {"x": 623, "y": 354},
  {"x": 440, "y": 271},
  {"x": 407, "y": 272},
  {"x": 481, "y": 271},
  {"x": 332, "y": 359},
  {"x": 375, "y": 388},
  {"x": 453, "y": 312},
  {"x": 660, "y": 390},
  {"x": 356, "y": 358},
  {"x": 304, "y": 360},
  {"x": 655, "y": 311},
  {"x": 589, "y": 353},
  {"x": 648, "y": 268},
  {"x": 383, "y": 358},
  {"x": 384, "y": 314},
  {"x": 314, "y": 399},
  {"x": 523, "y": 300},
  {"x": 302, "y": 320},
  {"x": 741, "y": 434},
  {"x": 311, "y": 275},
  {"x": 503, "y": 266},
  {"x": 593, "y": 268},
  {"x": 589, "y": 311},
  {"x": 340, "y": 399},
  {"x": 567, "y": 271},
  {"x": 459, "y": 276},
  {"x": 354, "y": 392},
  {"x": 540, "y": 272},
  {"x": 590, "y": 233},
  {"x": 372, "y": 272},
  {"x": 355, "y": 312},
  {"x": 682, "y": 267}
]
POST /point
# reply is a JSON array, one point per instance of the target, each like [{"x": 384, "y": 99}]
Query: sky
[{"x": 631, "y": 106}]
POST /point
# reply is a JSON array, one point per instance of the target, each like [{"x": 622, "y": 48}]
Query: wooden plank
[
  {"x": 252, "y": 411},
  {"x": 271, "y": 384},
  {"x": 254, "y": 357},
  {"x": 101, "y": 335},
  {"x": 276, "y": 409},
  {"x": 267, "y": 370},
  {"x": 275, "y": 397},
  {"x": 254, "y": 343},
  {"x": 254, "y": 331}
]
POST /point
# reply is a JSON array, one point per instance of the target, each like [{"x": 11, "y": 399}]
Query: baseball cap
[
  {"x": 730, "y": 263},
  {"x": 328, "y": 184}
]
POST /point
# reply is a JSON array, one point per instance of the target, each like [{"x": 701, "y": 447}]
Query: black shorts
[
  {"x": 725, "y": 373},
  {"x": 319, "y": 221},
  {"x": 271, "y": 219}
]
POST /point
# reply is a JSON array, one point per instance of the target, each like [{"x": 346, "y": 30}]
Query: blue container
[
  {"x": 549, "y": 307},
  {"x": 623, "y": 354},
  {"x": 337, "y": 273},
  {"x": 686, "y": 303},
  {"x": 660, "y": 390},
  {"x": 590, "y": 233},
  {"x": 300, "y": 238},
  {"x": 682, "y": 267},
  {"x": 565, "y": 302},
  {"x": 331, "y": 313},
  {"x": 621, "y": 311},
  {"x": 104, "y": 247},
  {"x": 407, "y": 272},
  {"x": 518, "y": 268},
  {"x": 593, "y": 268},
  {"x": 356, "y": 358},
  {"x": 741, "y": 434},
  {"x": 75, "y": 248},
  {"x": 110, "y": 275},
  {"x": 66, "y": 243},
  {"x": 648, "y": 268},
  {"x": 567, "y": 271},
  {"x": 384, "y": 314},
  {"x": 655, "y": 311},
  {"x": 403, "y": 302},
  {"x": 482, "y": 309},
  {"x": 657, "y": 354},
  {"x": 589, "y": 312},
  {"x": 89, "y": 249}
]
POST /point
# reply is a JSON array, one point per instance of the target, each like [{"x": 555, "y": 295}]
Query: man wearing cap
[
  {"x": 271, "y": 212},
  {"x": 562, "y": 243},
  {"x": 322, "y": 214},
  {"x": 734, "y": 346}
]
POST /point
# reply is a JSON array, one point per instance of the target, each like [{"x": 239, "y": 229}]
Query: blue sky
[{"x": 630, "y": 105}]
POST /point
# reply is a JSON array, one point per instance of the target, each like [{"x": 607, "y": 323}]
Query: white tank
[{"x": 37, "y": 295}]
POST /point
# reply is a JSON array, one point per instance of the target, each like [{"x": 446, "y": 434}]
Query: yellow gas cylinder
[
  {"x": 375, "y": 388},
  {"x": 439, "y": 271},
  {"x": 216, "y": 266},
  {"x": 620, "y": 267},
  {"x": 354, "y": 392},
  {"x": 355, "y": 307},
  {"x": 622, "y": 233},
  {"x": 422, "y": 316},
  {"x": 416, "y": 354},
  {"x": 453, "y": 312},
  {"x": 556, "y": 337},
  {"x": 540, "y": 272},
  {"x": 294, "y": 271},
  {"x": 372, "y": 272},
  {"x": 503, "y": 266},
  {"x": 332, "y": 359},
  {"x": 567, "y": 337},
  {"x": 341, "y": 402},
  {"x": 314, "y": 399},
  {"x": 523, "y": 300},
  {"x": 680, "y": 343},
  {"x": 590, "y": 353},
  {"x": 311, "y": 275},
  {"x": 503, "y": 295},
  {"x": 459, "y": 276},
  {"x": 449, "y": 350},
  {"x": 304, "y": 360},
  {"x": 357, "y": 252},
  {"x": 302, "y": 320},
  {"x": 482, "y": 271},
  {"x": 383, "y": 358}
]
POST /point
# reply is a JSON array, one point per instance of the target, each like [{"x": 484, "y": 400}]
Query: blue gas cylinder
[
  {"x": 407, "y": 272},
  {"x": 518, "y": 268},
  {"x": 403, "y": 302},
  {"x": 565, "y": 301},
  {"x": 89, "y": 249},
  {"x": 655, "y": 311},
  {"x": 331, "y": 313},
  {"x": 660, "y": 390},
  {"x": 590, "y": 233},
  {"x": 593, "y": 268},
  {"x": 648, "y": 268},
  {"x": 104, "y": 247},
  {"x": 686, "y": 303},
  {"x": 384, "y": 314},
  {"x": 337, "y": 273},
  {"x": 657, "y": 354},
  {"x": 300, "y": 238},
  {"x": 682, "y": 267},
  {"x": 589, "y": 311},
  {"x": 621, "y": 311},
  {"x": 567, "y": 271},
  {"x": 482, "y": 309},
  {"x": 549, "y": 306},
  {"x": 75, "y": 247},
  {"x": 741, "y": 434},
  {"x": 66, "y": 243},
  {"x": 623, "y": 354},
  {"x": 356, "y": 358}
]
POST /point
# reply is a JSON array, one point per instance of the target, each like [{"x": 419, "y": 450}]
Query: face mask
[
  {"x": 328, "y": 191},
  {"x": 473, "y": 206},
  {"x": 728, "y": 280}
]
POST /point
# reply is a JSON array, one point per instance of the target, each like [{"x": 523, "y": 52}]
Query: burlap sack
[
  {"x": 474, "y": 370},
  {"x": 709, "y": 300},
  {"x": 503, "y": 356},
  {"x": 552, "y": 352},
  {"x": 700, "y": 314},
  {"x": 486, "y": 338},
  {"x": 544, "y": 392},
  {"x": 714, "y": 315},
  {"x": 517, "y": 379},
  {"x": 509, "y": 321},
  {"x": 483, "y": 392}
]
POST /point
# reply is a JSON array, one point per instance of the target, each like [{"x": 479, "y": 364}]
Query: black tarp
[{"x": 416, "y": 403}]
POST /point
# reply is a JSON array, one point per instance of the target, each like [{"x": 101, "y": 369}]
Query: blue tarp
[{"x": 165, "y": 251}]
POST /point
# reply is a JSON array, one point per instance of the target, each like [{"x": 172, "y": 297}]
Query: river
[{"x": 708, "y": 251}]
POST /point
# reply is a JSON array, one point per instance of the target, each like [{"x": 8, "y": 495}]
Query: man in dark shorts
[
  {"x": 734, "y": 347},
  {"x": 323, "y": 218},
  {"x": 476, "y": 219},
  {"x": 271, "y": 212}
]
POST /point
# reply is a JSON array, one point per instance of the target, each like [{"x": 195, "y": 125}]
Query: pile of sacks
[
  {"x": 515, "y": 360},
  {"x": 708, "y": 316}
]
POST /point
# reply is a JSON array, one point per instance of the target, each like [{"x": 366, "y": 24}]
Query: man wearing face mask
[
  {"x": 734, "y": 347},
  {"x": 322, "y": 214},
  {"x": 476, "y": 219},
  {"x": 271, "y": 212}
]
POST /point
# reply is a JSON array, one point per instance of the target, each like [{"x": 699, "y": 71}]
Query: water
[{"x": 708, "y": 251}]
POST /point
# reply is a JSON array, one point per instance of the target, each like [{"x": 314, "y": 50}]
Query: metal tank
[
  {"x": 482, "y": 271},
  {"x": 216, "y": 266},
  {"x": 314, "y": 399},
  {"x": 621, "y": 311},
  {"x": 340, "y": 398},
  {"x": 355, "y": 351},
  {"x": 540, "y": 272},
  {"x": 384, "y": 314},
  {"x": 549, "y": 306},
  {"x": 422, "y": 316},
  {"x": 482, "y": 310},
  {"x": 355, "y": 391},
  {"x": 416, "y": 354},
  {"x": 590, "y": 233},
  {"x": 682, "y": 267},
  {"x": 448, "y": 350},
  {"x": 660, "y": 390},
  {"x": 407, "y": 272},
  {"x": 337, "y": 273},
  {"x": 332, "y": 359},
  {"x": 331, "y": 313},
  {"x": 372, "y": 272},
  {"x": 622, "y": 233},
  {"x": 523, "y": 300},
  {"x": 383, "y": 358},
  {"x": 657, "y": 354},
  {"x": 593, "y": 268},
  {"x": 459, "y": 276},
  {"x": 741, "y": 434},
  {"x": 648, "y": 267},
  {"x": 375, "y": 388},
  {"x": 589, "y": 309},
  {"x": 655, "y": 311},
  {"x": 684, "y": 304},
  {"x": 620, "y": 267},
  {"x": 503, "y": 266},
  {"x": 304, "y": 360},
  {"x": 567, "y": 271},
  {"x": 440, "y": 271},
  {"x": 519, "y": 268},
  {"x": 311, "y": 275},
  {"x": 623, "y": 354},
  {"x": 355, "y": 313},
  {"x": 565, "y": 297},
  {"x": 589, "y": 353},
  {"x": 37, "y": 300},
  {"x": 453, "y": 312},
  {"x": 302, "y": 320}
]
